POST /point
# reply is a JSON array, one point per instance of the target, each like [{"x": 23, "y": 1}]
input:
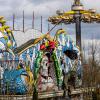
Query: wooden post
[{"x": 23, "y": 21}]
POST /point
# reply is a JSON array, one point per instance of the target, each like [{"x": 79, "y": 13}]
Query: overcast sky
[
  {"x": 47, "y": 8},
  {"x": 41, "y": 7}
]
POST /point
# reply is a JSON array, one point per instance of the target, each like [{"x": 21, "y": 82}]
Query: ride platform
[{"x": 49, "y": 95}]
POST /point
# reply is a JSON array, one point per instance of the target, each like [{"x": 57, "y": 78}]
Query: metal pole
[
  {"x": 41, "y": 24},
  {"x": 23, "y": 21},
  {"x": 13, "y": 21},
  {"x": 48, "y": 27},
  {"x": 78, "y": 29},
  {"x": 77, "y": 7},
  {"x": 33, "y": 21}
]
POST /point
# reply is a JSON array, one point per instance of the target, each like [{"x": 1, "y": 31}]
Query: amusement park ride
[
  {"x": 77, "y": 15},
  {"x": 46, "y": 61}
]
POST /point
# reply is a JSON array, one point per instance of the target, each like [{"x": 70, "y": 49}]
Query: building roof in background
[{"x": 23, "y": 37}]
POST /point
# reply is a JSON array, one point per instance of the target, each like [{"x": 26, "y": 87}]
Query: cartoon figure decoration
[
  {"x": 44, "y": 60},
  {"x": 71, "y": 60},
  {"x": 47, "y": 60},
  {"x": 16, "y": 80},
  {"x": 7, "y": 42},
  {"x": 67, "y": 47},
  {"x": 70, "y": 49},
  {"x": 45, "y": 82}
]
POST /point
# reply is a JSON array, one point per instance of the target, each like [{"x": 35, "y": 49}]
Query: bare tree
[{"x": 92, "y": 68}]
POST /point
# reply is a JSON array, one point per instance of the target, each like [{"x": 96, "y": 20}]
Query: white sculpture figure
[
  {"x": 1, "y": 56},
  {"x": 2, "y": 46},
  {"x": 60, "y": 44},
  {"x": 20, "y": 57},
  {"x": 28, "y": 59},
  {"x": 45, "y": 66},
  {"x": 79, "y": 73},
  {"x": 1, "y": 72},
  {"x": 33, "y": 58},
  {"x": 45, "y": 81},
  {"x": 63, "y": 39}
]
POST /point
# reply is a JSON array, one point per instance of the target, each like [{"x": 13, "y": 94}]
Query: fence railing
[{"x": 88, "y": 93}]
